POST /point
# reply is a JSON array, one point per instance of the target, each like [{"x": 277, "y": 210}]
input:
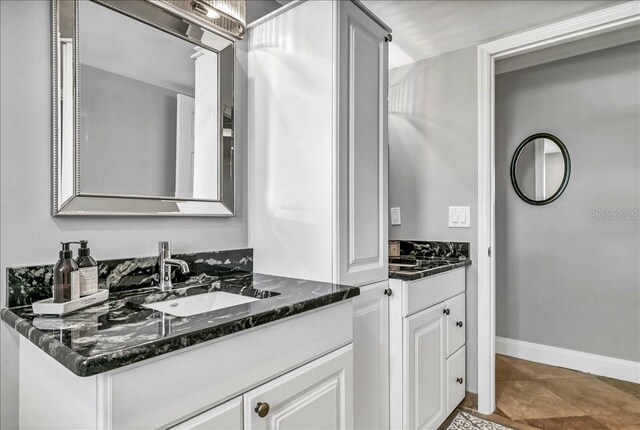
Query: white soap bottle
[{"x": 88, "y": 270}]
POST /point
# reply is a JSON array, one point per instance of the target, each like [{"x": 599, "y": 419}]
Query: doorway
[{"x": 591, "y": 24}]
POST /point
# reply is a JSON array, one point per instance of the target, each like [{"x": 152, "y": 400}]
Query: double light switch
[{"x": 459, "y": 216}]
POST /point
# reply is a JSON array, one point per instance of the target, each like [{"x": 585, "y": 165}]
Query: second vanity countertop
[
  {"x": 425, "y": 268},
  {"x": 419, "y": 259},
  {"x": 121, "y": 331}
]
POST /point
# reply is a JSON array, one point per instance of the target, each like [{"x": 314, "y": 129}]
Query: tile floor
[{"x": 536, "y": 396}]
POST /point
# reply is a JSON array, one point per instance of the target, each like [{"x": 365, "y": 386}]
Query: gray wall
[
  {"x": 128, "y": 136},
  {"x": 433, "y": 141},
  {"x": 565, "y": 279},
  {"x": 29, "y": 234}
]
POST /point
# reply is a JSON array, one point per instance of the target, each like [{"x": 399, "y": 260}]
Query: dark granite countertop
[
  {"x": 425, "y": 268},
  {"x": 120, "y": 331},
  {"x": 420, "y": 259}
]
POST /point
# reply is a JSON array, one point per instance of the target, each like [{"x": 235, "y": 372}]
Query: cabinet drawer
[
  {"x": 227, "y": 416},
  {"x": 421, "y": 294},
  {"x": 456, "y": 379},
  {"x": 456, "y": 323}
]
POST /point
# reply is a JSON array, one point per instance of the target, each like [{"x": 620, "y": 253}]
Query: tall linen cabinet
[
  {"x": 318, "y": 149},
  {"x": 318, "y": 156}
]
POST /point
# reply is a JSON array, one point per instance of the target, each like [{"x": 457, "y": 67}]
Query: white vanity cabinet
[
  {"x": 427, "y": 353},
  {"x": 318, "y": 147},
  {"x": 226, "y": 416},
  {"x": 316, "y": 395},
  {"x": 301, "y": 367}
]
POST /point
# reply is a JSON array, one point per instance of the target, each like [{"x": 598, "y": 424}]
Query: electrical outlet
[
  {"x": 459, "y": 216},
  {"x": 395, "y": 216}
]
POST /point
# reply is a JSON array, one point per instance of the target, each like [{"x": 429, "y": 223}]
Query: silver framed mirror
[{"x": 143, "y": 110}]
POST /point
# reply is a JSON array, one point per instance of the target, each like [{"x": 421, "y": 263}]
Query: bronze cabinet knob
[
  {"x": 262, "y": 409},
  {"x": 459, "y": 324},
  {"x": 446, "y": 311},
  {"x": 459, "y": 380}
]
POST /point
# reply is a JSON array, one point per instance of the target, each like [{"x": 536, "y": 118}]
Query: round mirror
[{"x": 540, "y": 169}]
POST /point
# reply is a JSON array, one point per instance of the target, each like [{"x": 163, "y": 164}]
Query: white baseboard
[{"x": 582, "y": 361}]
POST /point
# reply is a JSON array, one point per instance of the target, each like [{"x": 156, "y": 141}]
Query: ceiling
[{"x": 423, "y": 29}]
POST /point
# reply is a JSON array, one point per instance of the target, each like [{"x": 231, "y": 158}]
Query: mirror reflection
[
  {"x": 540, "y": 169},
  {"x": 149, "y": 118}
]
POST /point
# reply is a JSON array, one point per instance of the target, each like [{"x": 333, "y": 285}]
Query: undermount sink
[{"x": 193, "y": 305}]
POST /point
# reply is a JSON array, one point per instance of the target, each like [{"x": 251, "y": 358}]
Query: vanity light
[
  {"x": 205, "y": 9},
  {"x": 230, "y": 14}
]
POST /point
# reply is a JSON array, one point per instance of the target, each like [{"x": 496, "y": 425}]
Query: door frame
[{"x": 591, "y": 24}]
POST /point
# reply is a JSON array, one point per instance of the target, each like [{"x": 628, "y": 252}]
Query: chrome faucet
[{"x": 166, "y": 263}]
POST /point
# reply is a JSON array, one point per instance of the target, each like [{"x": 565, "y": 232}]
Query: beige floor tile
[
  {"x": 620, "y": 421},
  {"x": 507, "y": 372},
  {"x": 540, "y": 371},
  {"x": 521, "y": 400},
  {"x": 594, "y": 396},
  {"x": 627, "y": 387},
  {"x": 567, "y": 423}
]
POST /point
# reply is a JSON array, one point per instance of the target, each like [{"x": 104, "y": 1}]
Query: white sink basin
[{"x": 193, "y": 305}]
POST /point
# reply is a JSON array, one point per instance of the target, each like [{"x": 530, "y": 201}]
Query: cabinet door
[
  {"x": 316, "y": 396},
  {"x": 362, "y": 148},
  {"x": 227, "y": 416},
  {"x": 456, "y": 379},
  {"x": 456, "y": 323},
  {"x": 425, "y": 400},
  {"x": 371, "y": 353}
]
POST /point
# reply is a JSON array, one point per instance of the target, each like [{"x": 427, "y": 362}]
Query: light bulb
[{"x": 211, "y": 13}]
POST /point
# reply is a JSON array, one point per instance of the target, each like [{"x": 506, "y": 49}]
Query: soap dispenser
[
  {"x": 66, "y": 283},
  {"x": 88, "y": 270}
]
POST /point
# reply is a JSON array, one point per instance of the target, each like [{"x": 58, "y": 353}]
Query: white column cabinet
[
  {"x": 371, "y": 355},
  {"x": 318, "y": 148}
]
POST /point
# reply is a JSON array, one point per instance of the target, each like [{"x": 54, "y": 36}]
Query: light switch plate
[
  {"x": 459, "y": 216},
  {"x": 395, "y": 216}
]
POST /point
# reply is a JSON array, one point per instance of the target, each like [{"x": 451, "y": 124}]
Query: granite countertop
[
  {"x": 420, "y": 259},
  {"x": 423, "y": 268},
  {"x": 121, "y": 331}
]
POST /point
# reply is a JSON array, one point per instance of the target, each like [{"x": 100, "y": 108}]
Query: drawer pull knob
[
  {"x": 459, "y": 324},
  {"x": 262, "y": 409},
  {"x": 446, "y": 311},
  {"x": 388, "y": 292},
  {"x": 459, "y": 380}
]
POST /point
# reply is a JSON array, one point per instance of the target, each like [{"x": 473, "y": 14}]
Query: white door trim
[{"x": 587, "y": 25}]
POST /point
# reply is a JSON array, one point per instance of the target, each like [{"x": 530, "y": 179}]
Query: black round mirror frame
[{"x": 565, "y": 178}]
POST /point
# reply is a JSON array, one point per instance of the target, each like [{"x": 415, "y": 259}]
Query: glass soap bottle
[{"x": 66, "y": 283}]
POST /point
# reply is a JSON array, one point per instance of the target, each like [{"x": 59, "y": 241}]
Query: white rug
[{"x": 465, "y": 421}]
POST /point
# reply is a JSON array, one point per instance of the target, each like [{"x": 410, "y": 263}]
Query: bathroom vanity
[
  {"x": 283, "y": 358},
  {"x": 427, "y": 337}
]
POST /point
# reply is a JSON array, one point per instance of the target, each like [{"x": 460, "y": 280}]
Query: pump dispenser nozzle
[
  {"x": 65, "y": 252},
  {"x": 84, "y": 251}
]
